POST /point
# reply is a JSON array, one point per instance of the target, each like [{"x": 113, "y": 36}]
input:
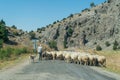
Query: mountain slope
[{"x": 87, "y": 29}]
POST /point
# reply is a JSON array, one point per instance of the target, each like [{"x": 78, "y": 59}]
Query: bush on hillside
[
  {"x": 98, "y": 48},
  {"x": 86, "y": 9},
  {"x": 69, "y": 32},
  {"x": 54, "y": 22},
  {"x": 2, "y": 22},
  {"x": 64, "y": 43},
  {"x": 115, "y": 45},
  {"x": 92, "y": 4},
  {"x": 5, "y": 54},
  {"x": 95, "y": 43},
  {"x": 109, "y": 1},
  {"x": 107, "y": 44},
  {"x": 1, "y": 43},
  {"x": 14, "y": 27},
  {"x": 16, "y": 33},
  {"x": 53, "y": 44},
  {"x": 119, "y": 47},
  {"x": 32, "y": 35},
  {"x": 70, "y": 16}
]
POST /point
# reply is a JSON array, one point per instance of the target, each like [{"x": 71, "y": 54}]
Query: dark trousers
[{"x": 40, "y": 56}]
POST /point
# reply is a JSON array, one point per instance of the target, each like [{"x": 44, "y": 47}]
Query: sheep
[
  {"x": 49, "y": 56},
  {"x": 85, "y": 59},
  {"x": 44, "y": 55},
  {"x": 95, "y": 60},
  {"x": 79, "y": 59},
  {"x": 91, "y": 60},
  {"x": 74, "y": 57},
  {"x": 53, "y": 55},
  {"x": 68, "y": 57},
  {"x": 101, "y": 61},
  {"x": 59, "y": 55}
]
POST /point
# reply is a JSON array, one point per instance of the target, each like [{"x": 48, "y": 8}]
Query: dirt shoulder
[{"x": 13, "y": 62}]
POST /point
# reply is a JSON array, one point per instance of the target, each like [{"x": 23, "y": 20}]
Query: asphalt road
[{"x": 55, "y": 70}]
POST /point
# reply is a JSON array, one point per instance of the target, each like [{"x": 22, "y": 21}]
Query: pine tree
[
  {"x": 92, "y": 4},
  {"x": 2, "y": 22},
  {"x": 3, "y": 31}
]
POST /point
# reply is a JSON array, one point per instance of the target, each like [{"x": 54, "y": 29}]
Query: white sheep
[
  {"x": 101, "y": 61},
  {"x": 59, "y": 55},
  {"x": 80, "y": 59},
  {"x": 53, "y": 55},
  {"x": 68, "y": 57},
  {"x": 85, "y": 59},
  {"x": 74, "y": 57}
]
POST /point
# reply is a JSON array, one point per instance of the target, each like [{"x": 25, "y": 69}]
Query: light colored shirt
[{"x": 39, "y": 49}]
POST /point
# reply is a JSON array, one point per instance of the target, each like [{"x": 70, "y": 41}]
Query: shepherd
[{"x": 39, "y": 49}]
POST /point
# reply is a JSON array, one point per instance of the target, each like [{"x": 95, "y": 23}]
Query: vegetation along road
[{"x": 55, "y": 70}]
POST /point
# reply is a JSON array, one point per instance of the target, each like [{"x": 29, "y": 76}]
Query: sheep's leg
[{"x": 78, "y": 62}]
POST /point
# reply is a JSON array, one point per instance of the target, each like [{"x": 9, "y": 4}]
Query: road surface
[{"x": 55, "y": 70}]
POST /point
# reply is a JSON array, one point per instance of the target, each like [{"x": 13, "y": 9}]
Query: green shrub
[
  {"x": 118, "y": 47},
  {"x": 54, "y": 22},
  {"x": 107, "y": 44},
  {"x": 24, "y": 50},
  {"x": 3, "y": 31},
  {"x": 17, "y": 52},
  {"x": 65, "y": 42},
  {"x": 115, "y": 43},
  {"x": 109, "y": 1},
  {"x": 5, "y": 54},
  {"x": 32, "y": 35},
  {"x": 2, "y": 54},
  {"x": 1, "y": 43},
  {"x": 92, "y": 4},
  {"x": 114, "y": 47},
  {"x": 86, "y": 9},
  {"x": 69, "y": 31},
  {"x": 14, "y": 27},
  {"x": 20, "y": 51},
  {"x": 53, "y": 44},
  {"x": 16, "y": 33},
  {"x": 70, "y": 16},
  {"x": 95, "y": 43},
  {"x": 98, "y": 48}
]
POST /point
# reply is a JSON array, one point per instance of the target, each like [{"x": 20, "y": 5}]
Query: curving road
[{"x": 55, "y": 70}]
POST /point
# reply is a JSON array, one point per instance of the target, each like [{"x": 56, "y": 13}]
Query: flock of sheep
[{"x": 76, "y": 57}]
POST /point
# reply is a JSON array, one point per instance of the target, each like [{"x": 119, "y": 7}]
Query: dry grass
[
  {"x": 113, "y": 60},
  {"x": 12, "y": 62}
]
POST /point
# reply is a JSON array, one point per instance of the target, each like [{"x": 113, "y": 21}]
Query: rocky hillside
[
  {"x": 97, "y": 26},
  {"x": 17, "y": 37}
]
